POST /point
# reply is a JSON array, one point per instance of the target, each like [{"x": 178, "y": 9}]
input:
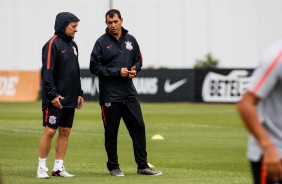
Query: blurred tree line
[{"x": 209, "y": 62}]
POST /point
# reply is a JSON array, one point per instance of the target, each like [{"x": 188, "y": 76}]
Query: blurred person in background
[
  {"x": 261, "y": 111},
  {"x": 61, "y": 92},
  {"x": 1, "y": 177},
  {"x": 116, "y": 59}
]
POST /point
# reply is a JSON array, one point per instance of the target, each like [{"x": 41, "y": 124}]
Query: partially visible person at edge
[
  {"x": 116, "y": 59},
  {"x": 61, "y": 92},
  {"x": 261, "y": 111},
  {"x": 1, "y": 180}
]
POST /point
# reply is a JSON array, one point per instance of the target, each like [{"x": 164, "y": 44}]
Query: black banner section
[
  {"x": 165, "y": 85},
  {"x": 152, "y": 85},
  {"x": 90, "y": 85},
  {"x": 180, "y": 85}
]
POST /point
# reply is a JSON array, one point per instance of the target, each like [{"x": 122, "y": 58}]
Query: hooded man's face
[{"x": 71, "y": 29}]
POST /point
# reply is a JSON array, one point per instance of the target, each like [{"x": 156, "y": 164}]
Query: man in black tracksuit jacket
[
  {"x": 60, "y": 68},
  {"x": 116, "y": 59},
  {"x": 61, "y": 92}
]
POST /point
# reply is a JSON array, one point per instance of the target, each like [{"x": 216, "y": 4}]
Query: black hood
[{"x": 62, "y": 20}]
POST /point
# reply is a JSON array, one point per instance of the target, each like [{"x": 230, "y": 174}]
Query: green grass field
[{"x": 204, "y": 144}]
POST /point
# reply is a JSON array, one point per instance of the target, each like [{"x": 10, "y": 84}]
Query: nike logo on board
[{"x": 168, "y": 88}]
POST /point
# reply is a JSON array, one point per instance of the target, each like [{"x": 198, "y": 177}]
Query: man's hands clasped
[{"x": 124, "y": 72}]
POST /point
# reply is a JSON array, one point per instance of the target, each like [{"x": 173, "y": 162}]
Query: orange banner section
[{"x": 19, "y": 86}]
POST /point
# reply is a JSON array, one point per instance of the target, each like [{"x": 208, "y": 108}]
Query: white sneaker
[
  {"x": 62, "y": 172},
  {"x": 42, "y": 173}
]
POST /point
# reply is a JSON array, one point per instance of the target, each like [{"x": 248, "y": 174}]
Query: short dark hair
[{"x": 111, "y": 13}]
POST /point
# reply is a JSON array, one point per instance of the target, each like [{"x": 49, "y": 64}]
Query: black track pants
[{"x": 131, "y": 114}]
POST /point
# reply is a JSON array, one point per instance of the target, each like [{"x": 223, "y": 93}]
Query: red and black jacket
[
  {"x": 108, "y": 56},
  {"x": 60, "y": 72}
]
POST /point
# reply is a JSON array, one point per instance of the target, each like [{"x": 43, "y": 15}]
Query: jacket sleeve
[
  {"x": 138, "y": 59},
  {"x": 49, "y": 55},
  {"x": 80, "y": 91},
  {"x": 96, "y": 66}
]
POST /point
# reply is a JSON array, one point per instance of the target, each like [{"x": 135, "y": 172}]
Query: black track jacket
[
  {"x": 60, "y": 72},
  {"x": 108, "y": 56}
]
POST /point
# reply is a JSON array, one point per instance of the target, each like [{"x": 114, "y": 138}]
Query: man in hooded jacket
[{"x": 61, "y": 92}]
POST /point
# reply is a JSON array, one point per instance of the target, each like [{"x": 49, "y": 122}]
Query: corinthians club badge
[
  {"x": 52, "y": 119},
  {"x": 128, "y": 45},
  {"x": 108, "y": 104},
  {"x": 74, "y": 50}
]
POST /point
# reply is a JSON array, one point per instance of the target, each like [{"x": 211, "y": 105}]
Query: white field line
[
  {"x": 18, "y": 130},
  {"x": 205, "y": 126},
  {"x": 195, "y": 125}
]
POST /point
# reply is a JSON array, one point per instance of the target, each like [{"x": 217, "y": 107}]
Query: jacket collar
[
  {"x": 123, "y": 32},
  {"x": 65, "y": 37}
]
